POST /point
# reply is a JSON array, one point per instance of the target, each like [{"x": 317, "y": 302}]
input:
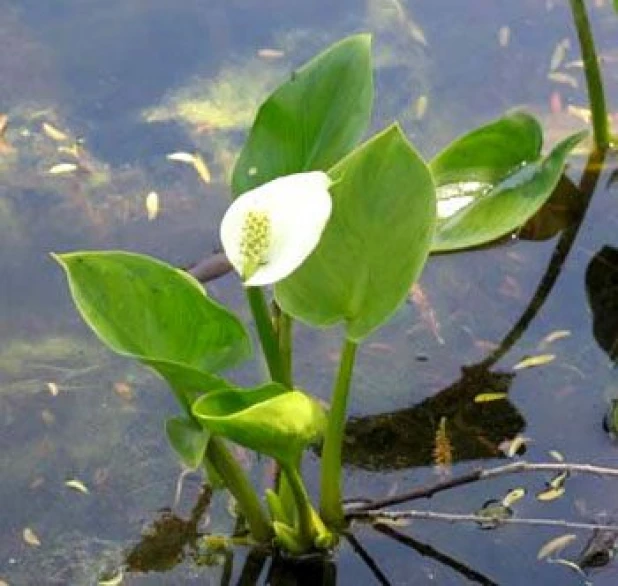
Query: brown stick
[{"x": 211, "y": 268}]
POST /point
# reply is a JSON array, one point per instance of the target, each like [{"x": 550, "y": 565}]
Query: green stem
[
  {"x": 266, "y": 333},
  {"x": 596, "y": 95},
  {"x": 303, "y": 504},
  {"x": 285, "y": 348},
  {"x": 238, "y": 484},
  {"x": 331, "y": 508}
]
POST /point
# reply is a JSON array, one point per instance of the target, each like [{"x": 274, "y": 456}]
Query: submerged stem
[
  {"x": 596, "y": 95},
  {"x": 331, "y": 507},
  {"x": 238, "y": 484}
]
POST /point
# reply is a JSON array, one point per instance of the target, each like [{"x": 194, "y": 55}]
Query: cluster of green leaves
[{"x": 382, "y": 229}]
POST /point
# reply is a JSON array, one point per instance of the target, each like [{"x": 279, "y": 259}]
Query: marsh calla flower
[{"x": 269, "y": 231}]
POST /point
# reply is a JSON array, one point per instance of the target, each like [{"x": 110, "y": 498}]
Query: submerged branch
[{"x": 359, "y": 511}]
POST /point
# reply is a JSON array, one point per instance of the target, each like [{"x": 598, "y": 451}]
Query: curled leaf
[{"x": 513, "y": 496}]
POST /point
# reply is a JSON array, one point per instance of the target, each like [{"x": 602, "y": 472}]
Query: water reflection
[{"x": 602, "y": 293}]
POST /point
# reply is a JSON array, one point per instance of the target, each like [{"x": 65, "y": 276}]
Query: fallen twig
[{"x": 475, "y": 476}]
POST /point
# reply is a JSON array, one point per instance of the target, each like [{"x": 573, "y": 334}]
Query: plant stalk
[
  {"x": 266, "y": 333},
  {"x": 285, "y": 348},
  {"x": 303, "y": 505},
  {"x": 331, "y": 508},
  {"x": 238, "y": 484},
  {"x": 596, "y": 95}
]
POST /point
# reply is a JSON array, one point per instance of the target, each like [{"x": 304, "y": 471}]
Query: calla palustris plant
[{"x": 342, "y": 231}]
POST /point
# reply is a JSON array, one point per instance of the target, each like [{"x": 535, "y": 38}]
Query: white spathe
[{"x": 297, "y": 208}]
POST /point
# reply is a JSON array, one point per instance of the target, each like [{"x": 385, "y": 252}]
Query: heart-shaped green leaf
[
  {"x": 507, "y": 205},
  {"x": 145, "y": 309},
  {"x": 491, "y": 152},
  {"x": 375, "y": 243},
  {"x": 188, "y": 440},
  {"x": 270, "y": 419},
  {"x": 312, "y": 120}
]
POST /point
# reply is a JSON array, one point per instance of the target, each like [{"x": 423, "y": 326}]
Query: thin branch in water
[
  {"x": 475, "y": 476},
  {"x": 429, "y": 551},
  {"x": 367, "y": 559},
  {"x": 387, "y": 516}
]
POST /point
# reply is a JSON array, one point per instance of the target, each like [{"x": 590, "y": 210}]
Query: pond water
[{"x": 132, "y": 81}]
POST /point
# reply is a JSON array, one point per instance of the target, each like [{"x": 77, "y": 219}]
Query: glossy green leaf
[
  {"x": 270, "y": 419},
  {"x": 145, "y": 309},
  {"x": 508, "y": 205},
  {"x": 491, "y": 152},
  {"x": 375, "y": 243},
  {"x": 188, "y": 440},
  {"x": 313, "y": 119}
]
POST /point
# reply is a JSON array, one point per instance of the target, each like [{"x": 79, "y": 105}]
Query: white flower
[{"x": 269, "y": 231}]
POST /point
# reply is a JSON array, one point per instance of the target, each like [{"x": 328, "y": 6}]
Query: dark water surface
[{"x": 136, "y": 80}]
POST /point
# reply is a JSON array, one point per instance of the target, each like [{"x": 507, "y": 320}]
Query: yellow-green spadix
[{"x": 269, "y": 231}]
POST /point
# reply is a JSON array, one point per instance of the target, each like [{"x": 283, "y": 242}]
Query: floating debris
[
  {"x": 63, "y": 169},
  {"x": 428, "y": 315},
  {"x": 53, "y": 389},
  {"x": 533, "y": 361},
  {"x": 559, "y": 480},
  {"x": 555, "y": 545},
  {"x": 77, "y": 485},
  {"x": 420, "y": 107},
  {"x": 559, "y": 53},
  {"x": 5, "y": 147},
  {"x": 490, "y": 397},
  {"x": 152, "y": 205},
  {"x": 201, "y": 168},
  {"x": 54, "y": 133},
  {"x": 564, "y": 78},
  {"x": 551, "y": 493},
  {"x": 514, "y": 447},
  {"x": 193, "y": 159},
  {"x": 554, "y": 337},
  {"x": 556, "y": 455},
  {"x": 31, "y": 538},
  {"x": 555, "y": 103},
  {"x": 494, "y": 511},
  {"x": 181, "y": 157},
  {"x": 513, "y": 496},
  {"x": 504, "y": 36},
  {"x": 583, "y": 114},
  {"x": 268, "y": 53}
]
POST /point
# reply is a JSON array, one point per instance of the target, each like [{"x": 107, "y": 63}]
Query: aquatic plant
[{"x": 341, "y": 230}]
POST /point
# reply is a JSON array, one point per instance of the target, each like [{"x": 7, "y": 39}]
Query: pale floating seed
[
  {"x": 550, "y": 494},
  {"x": 54, "y": 133},
  {"x": 187, "y": 158},
  {"x": 564, "y": 78},
  {"x": 31, "y": 538},
  {"x": 515, "y": 445},
  {"x": 53, "y": 389},
  {"x": 490, "y": 397},
  {"x": 152, "y": 205},
  {"x": 63, "y": 169},
  {"x": 504, "y": 36},
  {"x": 555, "y": 545},
  {"x": 77, "y": 485},
  {"x": 532, "y": 361},
  {"x": 201, "y": 168}
]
